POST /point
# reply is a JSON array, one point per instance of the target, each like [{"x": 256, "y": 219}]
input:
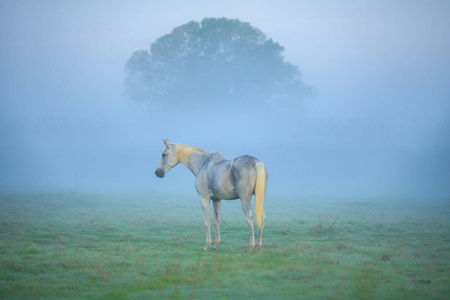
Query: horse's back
[{"x": 244, "y": 163}]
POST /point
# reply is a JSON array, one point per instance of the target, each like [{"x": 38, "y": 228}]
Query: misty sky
[{"x": 380, "y": 125}]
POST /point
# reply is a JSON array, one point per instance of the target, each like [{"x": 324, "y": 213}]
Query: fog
[{"x": 378, "y": 127}]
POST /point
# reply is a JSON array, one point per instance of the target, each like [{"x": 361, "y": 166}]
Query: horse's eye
[{"x": 164, "y": 154}]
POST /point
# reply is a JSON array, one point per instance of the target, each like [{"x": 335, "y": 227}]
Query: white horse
[{"x": 221, "y": 179}]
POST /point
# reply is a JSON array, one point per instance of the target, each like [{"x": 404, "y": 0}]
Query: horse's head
[{"x": 168, "y": 160}]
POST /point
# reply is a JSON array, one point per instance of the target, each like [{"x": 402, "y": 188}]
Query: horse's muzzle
[{"x": 159, "y": 173}]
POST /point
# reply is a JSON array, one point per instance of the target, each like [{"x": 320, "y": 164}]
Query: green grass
[{"x": 149, "y": 246}]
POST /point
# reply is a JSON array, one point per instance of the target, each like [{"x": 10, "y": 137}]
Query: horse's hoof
[
  {"x": 206, "y": 248},
  {"x": 217, "y": 248}
]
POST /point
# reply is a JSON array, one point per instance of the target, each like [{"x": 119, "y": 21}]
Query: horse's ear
[{"x": 166, "y": 142}]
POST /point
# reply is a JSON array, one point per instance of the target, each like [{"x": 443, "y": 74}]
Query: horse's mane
[{"x": 184, "y": 152}]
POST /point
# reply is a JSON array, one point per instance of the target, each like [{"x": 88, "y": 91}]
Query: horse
[{"x": 220, "y": 179}]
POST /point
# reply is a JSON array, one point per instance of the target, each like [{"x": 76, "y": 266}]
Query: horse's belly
[
  {"x": 221, "y": 181},
  {"x": 222, "y": 185},
  {"x": 225, "y": 195},
  {"x": 223, "y": 191}
]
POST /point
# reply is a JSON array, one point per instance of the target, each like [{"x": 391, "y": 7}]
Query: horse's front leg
[
  {"x": 205, "y": 207},
  {"x": 216, "y": 205}
]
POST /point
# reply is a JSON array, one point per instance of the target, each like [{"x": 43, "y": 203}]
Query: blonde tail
[{"x": 260, "y": 193}]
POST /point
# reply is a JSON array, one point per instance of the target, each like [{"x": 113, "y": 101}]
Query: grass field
[{"x": 149, "y": 246}]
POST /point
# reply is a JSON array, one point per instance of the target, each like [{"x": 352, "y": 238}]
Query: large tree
[{"x": 217, "y": 60}]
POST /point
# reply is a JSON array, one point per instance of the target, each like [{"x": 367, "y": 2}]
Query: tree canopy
[{"x": 216, "y": 60}]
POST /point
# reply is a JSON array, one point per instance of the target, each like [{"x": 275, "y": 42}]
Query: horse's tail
[{"x": 260, "y": 193}]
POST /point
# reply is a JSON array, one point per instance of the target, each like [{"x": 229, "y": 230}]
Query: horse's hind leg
[
  {"x": 248, "y": 212},
  {"x": 205, "y": 207},
  {"x": 216, "y": 205},
  {"x": 260, "y": 234}
]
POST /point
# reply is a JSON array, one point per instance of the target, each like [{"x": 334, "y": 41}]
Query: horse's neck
[
  {"x": 191, "y": 157},
  {"x": 195, "y": 162}
]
